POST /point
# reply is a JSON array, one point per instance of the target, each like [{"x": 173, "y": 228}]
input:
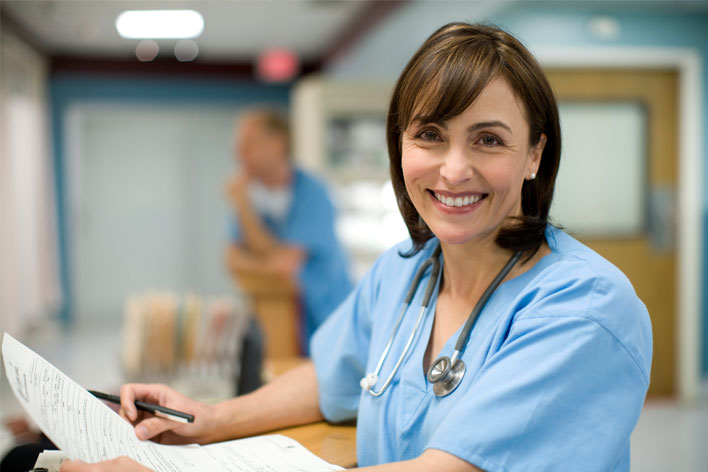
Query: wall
[
  {"x": 29, "y": 282},
  {"x": 71, "y": 92}
]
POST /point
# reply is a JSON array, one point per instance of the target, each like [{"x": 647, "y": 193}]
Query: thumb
[
  {"x": 151, "y": 427},
  {"x": 71, "y": 466}
]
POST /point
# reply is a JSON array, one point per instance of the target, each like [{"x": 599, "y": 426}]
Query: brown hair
[
  {"x": 441, "y": 80},
  {"x": 273, "y": 120}
]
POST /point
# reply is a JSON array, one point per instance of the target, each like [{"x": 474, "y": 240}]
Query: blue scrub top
[
  {"x": 324, "y": 277},
  {"x": 557, "y": 367}
]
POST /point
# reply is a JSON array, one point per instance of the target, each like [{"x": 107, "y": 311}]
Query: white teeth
[{"x": 458, "y": 201}]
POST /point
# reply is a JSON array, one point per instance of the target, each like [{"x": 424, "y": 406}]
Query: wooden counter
[{"x": 334, "y": 443}]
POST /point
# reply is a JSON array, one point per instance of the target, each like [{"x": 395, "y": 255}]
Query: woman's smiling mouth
[{"x": 457, "y": 201}]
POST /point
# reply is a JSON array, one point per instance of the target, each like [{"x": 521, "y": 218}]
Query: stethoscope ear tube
[
  {"x": 369, "y": 381},
  {"x": 472, "y": 319},
  {"x": 433, "y": 260},
  {"x": 433, "y": 278}
]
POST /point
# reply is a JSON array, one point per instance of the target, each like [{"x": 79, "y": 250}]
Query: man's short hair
[{"x": 273, "y": 119}]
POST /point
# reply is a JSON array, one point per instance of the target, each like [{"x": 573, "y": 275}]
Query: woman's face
[{"x": 464, "y": 175}]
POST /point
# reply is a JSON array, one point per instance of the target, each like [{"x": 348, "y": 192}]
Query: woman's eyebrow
[
  {"x": 419, "y": 121},
  {"x": 488, "y": 124}
]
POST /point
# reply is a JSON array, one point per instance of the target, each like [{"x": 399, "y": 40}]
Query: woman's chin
[{"x": 457, "y": 237}]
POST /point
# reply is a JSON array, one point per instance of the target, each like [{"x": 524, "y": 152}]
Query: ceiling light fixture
[{"x": 159, "y": 24}]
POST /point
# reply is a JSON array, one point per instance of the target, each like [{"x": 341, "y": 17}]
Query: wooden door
[{"x": 648, "y": 259}]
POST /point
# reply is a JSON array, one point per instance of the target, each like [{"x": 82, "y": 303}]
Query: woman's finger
[
  {"x": 127, "y": 402},
  {"x": 119, "y": 464},
  {"x": 151, "y": 427},
  {"x": 72, "y": 466},
  {"x": 150, "y": 393}
]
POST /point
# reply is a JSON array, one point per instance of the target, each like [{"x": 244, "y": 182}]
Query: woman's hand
[
  {"x": 119, "y": 464},
  {"x": 148, "y": 426}
]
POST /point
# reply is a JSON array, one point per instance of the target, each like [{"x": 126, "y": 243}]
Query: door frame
[{"x": 689, "y": 249}]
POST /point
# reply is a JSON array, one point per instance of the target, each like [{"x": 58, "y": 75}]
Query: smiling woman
[
  {"x": 547, "y": 372},
  {"x": 464, "y": 175},
  {"x": 422, "y": 97}
]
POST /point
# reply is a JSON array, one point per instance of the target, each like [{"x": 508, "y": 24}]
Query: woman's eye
[
  {"x": 489, "y": 140},
  {"x": 429, "y": 135}
]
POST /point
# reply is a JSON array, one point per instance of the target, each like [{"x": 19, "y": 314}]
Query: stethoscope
[{"x": 446, "y": 372}]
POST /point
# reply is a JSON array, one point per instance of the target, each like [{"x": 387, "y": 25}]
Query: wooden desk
[{"x": 334, "y": 443}]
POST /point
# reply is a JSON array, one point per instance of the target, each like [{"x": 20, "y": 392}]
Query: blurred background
[{"x": 115, "y": 152}]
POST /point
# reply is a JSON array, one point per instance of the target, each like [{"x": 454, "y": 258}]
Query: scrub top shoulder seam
[{"x": 644, "y": 375}]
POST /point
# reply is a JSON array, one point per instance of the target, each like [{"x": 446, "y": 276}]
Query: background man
[{"x": 284, "y": 240}]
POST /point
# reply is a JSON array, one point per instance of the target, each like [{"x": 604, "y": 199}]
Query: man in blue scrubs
[{"x": 284, "y": 230}]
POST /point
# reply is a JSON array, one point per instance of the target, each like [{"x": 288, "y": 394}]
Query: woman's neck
[{"x": 468, "y": 269}]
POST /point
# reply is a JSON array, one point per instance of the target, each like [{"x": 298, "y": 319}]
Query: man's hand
[
  {"x": 237, "y": 190},
  {"x": 283, "y": 262}
]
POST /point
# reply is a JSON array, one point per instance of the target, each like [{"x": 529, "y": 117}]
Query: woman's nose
[{"x": 457, "y": 166}]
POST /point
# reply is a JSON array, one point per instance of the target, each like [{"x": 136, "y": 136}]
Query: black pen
[{"x": 157, "y": 410}]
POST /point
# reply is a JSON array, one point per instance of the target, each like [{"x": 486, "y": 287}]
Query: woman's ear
[{"x": 536, "y": 153}]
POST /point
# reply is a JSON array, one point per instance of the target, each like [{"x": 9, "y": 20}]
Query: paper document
[
  {"x": 85, "y": 428},
  {"x": 50, "y": 460}
]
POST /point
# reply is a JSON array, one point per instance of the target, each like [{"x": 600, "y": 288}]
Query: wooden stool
[{"x": 275, "y": 302}]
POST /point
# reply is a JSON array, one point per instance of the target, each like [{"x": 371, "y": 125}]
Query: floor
[
  {"x": 671, "y": 437},
  {"x": 668, "y": 436}
]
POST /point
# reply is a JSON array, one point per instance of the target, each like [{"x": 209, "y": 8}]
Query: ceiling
[
  {"x": 234, "y": 31},
  {"x": 82, "y": 33}
]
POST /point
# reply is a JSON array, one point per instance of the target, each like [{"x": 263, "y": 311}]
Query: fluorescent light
[{"x": 141, "y": 24}]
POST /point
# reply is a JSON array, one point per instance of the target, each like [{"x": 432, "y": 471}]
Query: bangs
[{"x": 446, "y": 84}]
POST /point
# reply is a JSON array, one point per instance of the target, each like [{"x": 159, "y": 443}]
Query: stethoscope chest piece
[{"x": 446, "y": 375}]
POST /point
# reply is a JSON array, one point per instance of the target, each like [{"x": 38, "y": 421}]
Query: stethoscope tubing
[
  {"x": 433, "y": 261},
  {"x": 401, "y": 358},
  {"x": 450, "y": 377},
  {"x": 474, "y": 316}
]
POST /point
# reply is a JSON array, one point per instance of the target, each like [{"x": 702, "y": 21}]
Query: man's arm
[
  {"x": 256, "y": 237},
  {"x": 260, "y": 254},
  {"x": 273, "y": 271}
]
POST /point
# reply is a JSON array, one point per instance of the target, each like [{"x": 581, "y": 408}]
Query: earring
[{"x": 532, "y": 176}]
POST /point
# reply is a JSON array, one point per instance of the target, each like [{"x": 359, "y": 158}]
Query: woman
[{"x": 557, "y": 363}]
